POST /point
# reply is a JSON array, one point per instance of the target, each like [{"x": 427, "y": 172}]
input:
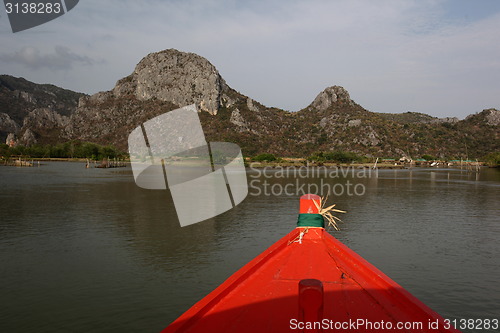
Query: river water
[{"x": 86, "y": 250}]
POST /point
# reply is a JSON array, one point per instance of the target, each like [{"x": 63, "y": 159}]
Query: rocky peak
[
  {"x": 488, "y": 116},
  {"x": 177, "y": 77},
  {"x": 492, "y": 116},
  {"x": 331, "y": 96}
]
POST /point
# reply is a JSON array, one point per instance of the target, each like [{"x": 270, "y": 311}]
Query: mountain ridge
[{"x": 165, "y": 80}]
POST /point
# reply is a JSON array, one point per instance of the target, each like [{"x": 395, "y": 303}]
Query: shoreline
[
  {"x": 61, "y": 159},
  {"x": 37, "y": 162},
  {"x": 280, "y": 164},
  {"x": 261, "y": 165}
]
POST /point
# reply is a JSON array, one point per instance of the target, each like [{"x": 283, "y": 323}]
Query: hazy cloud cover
[
  {"x": 62, "y": 58},
  {"x": 440, "y": 57}
]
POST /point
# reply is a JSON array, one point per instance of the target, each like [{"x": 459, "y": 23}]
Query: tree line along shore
[{"x": 85, "y": 151}]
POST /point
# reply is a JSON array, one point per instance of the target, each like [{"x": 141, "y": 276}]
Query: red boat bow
[{"x": 309, "y": 281}]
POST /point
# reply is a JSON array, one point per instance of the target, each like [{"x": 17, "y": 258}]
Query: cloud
[{"x": 62, "y": 58}]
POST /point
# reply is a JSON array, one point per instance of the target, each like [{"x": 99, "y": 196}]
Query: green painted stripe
[{"x": 310, "y": 220}]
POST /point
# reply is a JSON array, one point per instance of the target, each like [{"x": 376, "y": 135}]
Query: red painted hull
[{"x": 263, "y": 295}]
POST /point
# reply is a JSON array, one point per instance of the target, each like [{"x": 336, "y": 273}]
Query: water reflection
[{"x": 87, "y": 248}]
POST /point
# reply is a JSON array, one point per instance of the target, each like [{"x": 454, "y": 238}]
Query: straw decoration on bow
[{"x": 326, "y": 212}]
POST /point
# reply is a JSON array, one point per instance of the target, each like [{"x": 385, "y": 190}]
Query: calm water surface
[{"x": 86, "y": 250}]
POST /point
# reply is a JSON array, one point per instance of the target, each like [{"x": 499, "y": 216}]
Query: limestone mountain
[
  {"x": 161, "y": 82},
  {"x": 30, "y": 111},
  {"x": 169, "y": 79}
]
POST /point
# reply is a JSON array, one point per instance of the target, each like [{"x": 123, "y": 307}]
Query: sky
[{"x": 440, "y": 57}]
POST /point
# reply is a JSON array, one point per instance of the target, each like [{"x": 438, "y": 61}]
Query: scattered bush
[
  {"x": 264, "y": 157},
  {"x": 337, "y": 157},
  {"x": 493, "y": 159},
  {"x": 428, "y": 157}
]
